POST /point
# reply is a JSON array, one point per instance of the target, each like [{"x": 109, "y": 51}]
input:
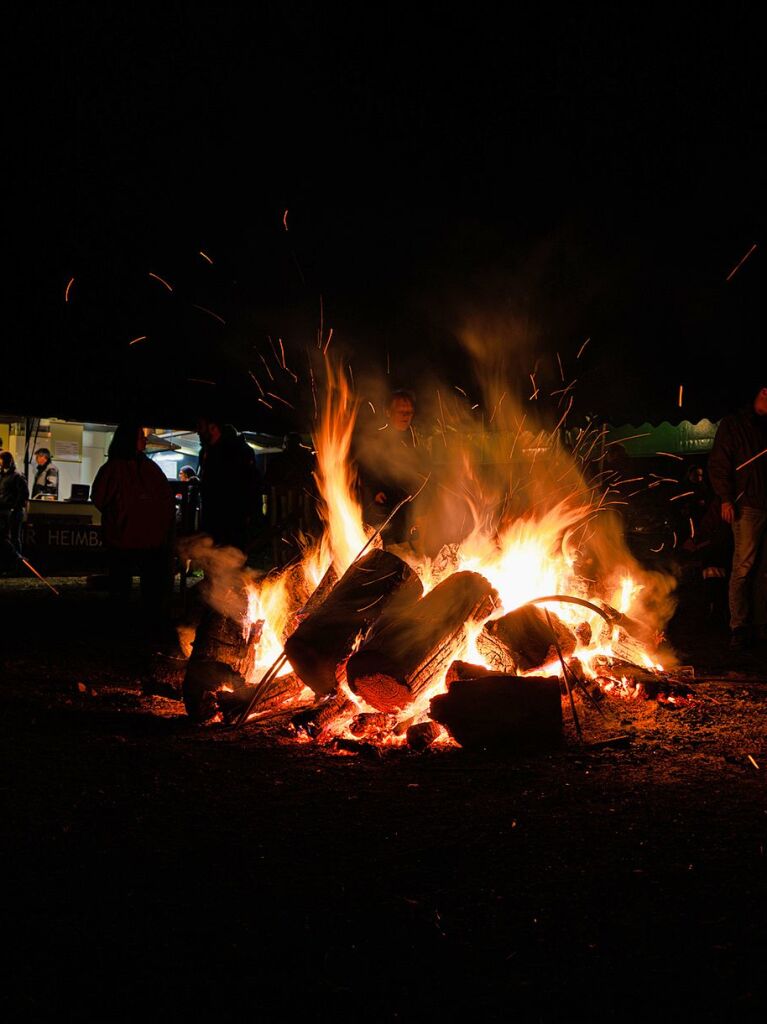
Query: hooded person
[{"x": 137, "y": 518}]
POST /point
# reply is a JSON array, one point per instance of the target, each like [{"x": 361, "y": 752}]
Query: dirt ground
[{"x": 208, "y": 873}]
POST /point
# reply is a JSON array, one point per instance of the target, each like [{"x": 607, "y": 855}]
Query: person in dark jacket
[
  {"x": 46, "y": 483},
  {"x": 14, "y": 494},
  {"x": 737, "y": 469},
  {"x": 393, "y": 464},
  {"x": 137, "y": 517},
  {"x": 230, "y": 484}
]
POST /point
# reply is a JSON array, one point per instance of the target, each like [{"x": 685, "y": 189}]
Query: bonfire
[{"x": 540, "y": 604}]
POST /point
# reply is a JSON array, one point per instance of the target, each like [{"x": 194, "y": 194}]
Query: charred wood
[
  {"x": 371, "y": 722},
  {"x": 223, "y": 656},
  {"x": 502, "y": 712},
  {"x": 522, "y": 640},
  {"x": 410, "y": 646},
  {"x": 316, "y": 719},
  {"x": 284, "y": 692},
  {"x": 465, "y": 670},
  {"x": 166, "y": 676},
  {"x": 326, "y": 636},
  {"x": 421, "y": 736}
]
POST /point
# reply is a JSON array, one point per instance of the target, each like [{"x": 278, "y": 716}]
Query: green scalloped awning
[{"x": 683, "y": 438}]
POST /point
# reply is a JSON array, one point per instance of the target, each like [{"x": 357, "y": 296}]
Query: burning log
[
  {"x": 285, "y": 690},
  {"x": 315, "y": 720},
  {"x": 624, "y": 646},
  {"x": 509, "y": 712},
  {"x": 165, "y": 677},
  {"x": 303, "y": 601},
  {"x": 410, "y": 646},
  {"x": 421, "y": 736},
  {"x": 465, "y": 670},
  {"x": 522, "y": 640},
  {"x": 371, "y": 722},
  {"x": 223, "y": 656},
  {"x": 325, "y": 638}
]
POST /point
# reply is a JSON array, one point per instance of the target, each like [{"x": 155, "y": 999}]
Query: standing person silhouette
[
  {"x": 14, "y": 495},
  {"x": 137, "y": 517},
  {"x": 230, "y": 484},
  {"x": 737, "y": 469}
]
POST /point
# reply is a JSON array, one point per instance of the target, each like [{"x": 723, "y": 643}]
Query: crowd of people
[{"x": 229, "y": 502}]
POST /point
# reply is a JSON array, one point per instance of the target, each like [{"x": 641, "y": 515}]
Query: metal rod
[
  {"x": 565, "y": 676},
  {"x": 566, "y": 599},
  {"x": 41, "y": 578}
]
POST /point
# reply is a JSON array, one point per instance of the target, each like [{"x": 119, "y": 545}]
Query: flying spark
[
  {"x": 256, "y": 381},
  {"x": 67, "y": 289},
  {"x": 681, "y": 394},
  {"x": 266, "y": 365},
  {"x": 580, "y": 350},
  {"x": 210, "y": 312},
  {"x": 752, "y": 459},
  {"x": 142, "y": 337},
  {"x": 162, "y": 281},
  {"x": 285, "y": 220},
  {"x": 206, "y": 257},
  {"x": 277, "y": 397},
  {"x": 736, "y": 268}
]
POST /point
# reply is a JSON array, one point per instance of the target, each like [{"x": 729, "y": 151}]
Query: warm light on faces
[{"x": 401, "y": 413}]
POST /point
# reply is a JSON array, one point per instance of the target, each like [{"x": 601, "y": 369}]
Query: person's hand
[
  {"x": 728, "y": 512},
  {"x": 380, "y": 498}
]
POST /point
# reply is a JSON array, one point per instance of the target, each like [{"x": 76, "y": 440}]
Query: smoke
[
  {"x": 225, "y": 587},
  {"x": 507, "y": 469}
]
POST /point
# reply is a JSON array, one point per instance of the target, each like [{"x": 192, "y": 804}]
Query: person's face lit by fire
[{"x": 401, "y": 412}]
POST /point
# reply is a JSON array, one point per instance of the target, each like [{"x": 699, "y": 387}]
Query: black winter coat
[{"x": 739, "y": 438}]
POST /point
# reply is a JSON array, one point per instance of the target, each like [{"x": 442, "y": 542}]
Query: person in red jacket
[
  {"x": 137, "y": 518},
  {"x": 737, "y": 468}
]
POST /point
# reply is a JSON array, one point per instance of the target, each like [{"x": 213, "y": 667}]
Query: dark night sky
[{"x": 583, "y": 175}]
